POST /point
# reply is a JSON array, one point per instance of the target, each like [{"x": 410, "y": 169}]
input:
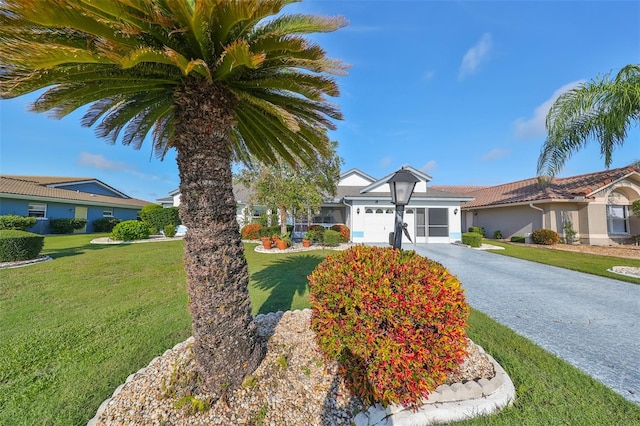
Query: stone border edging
[{"x": 448, "y": 403}]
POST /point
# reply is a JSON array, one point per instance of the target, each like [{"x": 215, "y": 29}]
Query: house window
[
  {"x": 369, "y": 211},
  {"x": 379, "y": 211},
  {"x": 409, "y": 211},
  {"x": 438, "y": 222},
  {"x": 37, "y": 210},
  {"x": 107, "y": 213},
  {"x": 617, "y": 219},
  {"x": 389, "y": 211}
]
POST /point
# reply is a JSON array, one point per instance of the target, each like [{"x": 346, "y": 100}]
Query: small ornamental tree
[{"x": 394, "y": 320}]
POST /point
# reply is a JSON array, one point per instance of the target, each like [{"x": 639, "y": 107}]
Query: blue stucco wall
[
  {"x": 62, "y": 210},
  {"x": 91, "y": 188}
]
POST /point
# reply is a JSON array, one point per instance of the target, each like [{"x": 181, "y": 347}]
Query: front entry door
[{"x": 81, "y": 213}]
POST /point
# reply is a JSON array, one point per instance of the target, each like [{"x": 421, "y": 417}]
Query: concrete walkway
[{"x": 589, "y": 321}]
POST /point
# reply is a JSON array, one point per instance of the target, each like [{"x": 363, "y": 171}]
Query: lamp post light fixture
[{"x": 402, "y": 184}]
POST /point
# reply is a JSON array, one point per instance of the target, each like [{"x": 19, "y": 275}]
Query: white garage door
[{"x": 378, "y": 222}]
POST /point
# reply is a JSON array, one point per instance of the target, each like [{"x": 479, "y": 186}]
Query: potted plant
[
  {"x": 284, "y": 241},
  {"x": 306, "y": 242},
  {"x": 266, "y": 242}
]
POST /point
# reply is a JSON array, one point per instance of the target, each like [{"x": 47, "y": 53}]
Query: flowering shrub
[
  {"x": 545, "y": 236},
  {"x": 251, "y": 231},
  {"x": 345, "y": 232},
  {"x": 394, "y": 320}
]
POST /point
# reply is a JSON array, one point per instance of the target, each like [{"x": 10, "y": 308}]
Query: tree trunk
[
  {"x": 227, "y": 347},
  {"x": 283, "y": 219}
]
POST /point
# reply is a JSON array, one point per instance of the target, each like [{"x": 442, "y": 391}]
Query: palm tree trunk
[{"x": 227, "y": 346}]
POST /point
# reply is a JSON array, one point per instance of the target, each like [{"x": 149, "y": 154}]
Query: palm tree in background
[
  {"x": 603, "y": 109},
  {"x": 218, "y": 81}
]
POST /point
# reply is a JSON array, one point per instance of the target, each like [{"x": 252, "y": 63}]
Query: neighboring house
[
  {"x": 363, "y": 203},
  {"x": 597, "y": 205},
  {"x": 48, "y": 197}
]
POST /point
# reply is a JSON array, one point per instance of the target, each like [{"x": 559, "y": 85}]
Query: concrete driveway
[{"x": 591, "y": 322}]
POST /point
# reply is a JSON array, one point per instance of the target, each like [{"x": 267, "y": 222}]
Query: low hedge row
[{"x": 16, "y": 245}]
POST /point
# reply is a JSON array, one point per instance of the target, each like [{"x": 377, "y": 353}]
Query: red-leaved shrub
[
  {"x": 345, "y": 232},
  {"x": 545, "y": 236},
  {"x": 394, "y": 320},
  {"x": 250, "y": 231}
]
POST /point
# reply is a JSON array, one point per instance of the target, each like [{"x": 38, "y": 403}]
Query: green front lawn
[
  {"x": 74, "y": 328},
  {"x": 581, "y": 262}
]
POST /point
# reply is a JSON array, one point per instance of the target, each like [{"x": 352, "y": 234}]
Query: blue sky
[{"x": 458, "y": 90}]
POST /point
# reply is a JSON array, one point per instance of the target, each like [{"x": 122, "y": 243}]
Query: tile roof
[
  {"x": 458, "y": 189},
  {"x": 529, "y": 190},
  {"x": 36, "y": 187}
]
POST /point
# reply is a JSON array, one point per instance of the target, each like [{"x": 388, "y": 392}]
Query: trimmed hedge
[
  {"x": 16, "y": 245},
  {"x": 472, "y": 239},
  {"x": 65, "y": 225},
  {"x": 518, "y": 239},
  {"x": 345, "y": 232},
  {"x": 477, "y": 230},
  {"x": 130, "y": 230},
  {"x": 545, "y": 237},
  {"x": 13, "y": 221},
  {"x": 395, "y": 321},
  {"x": 158, "y": 217},
  {"x": 331, "y": 238},
  {"x": 105, "y": 224}
]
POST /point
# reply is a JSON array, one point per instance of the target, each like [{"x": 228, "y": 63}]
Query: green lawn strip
[
  {"x": 581, "y": 262},
  {"x": 74, "y": 328},
  {"x": 279, "y": 281}
]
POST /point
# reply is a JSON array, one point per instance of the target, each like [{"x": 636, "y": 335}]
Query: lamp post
[{"x": 402, "y": 184}]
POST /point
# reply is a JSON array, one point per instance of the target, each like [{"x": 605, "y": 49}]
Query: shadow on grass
[
  {"x": 285, "y": 279},
  {"x": 58, "y": 253}
]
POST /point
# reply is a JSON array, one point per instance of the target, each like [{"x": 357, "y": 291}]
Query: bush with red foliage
[
  {"x": 250, "y": 231},
  {"x": 345, "y": 232},
  {"x": 394, "y": 320},
  {"x": 546, "y": 237}
]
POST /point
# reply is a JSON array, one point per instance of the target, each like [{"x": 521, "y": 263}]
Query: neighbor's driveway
[{"x": 589, "y": 321}]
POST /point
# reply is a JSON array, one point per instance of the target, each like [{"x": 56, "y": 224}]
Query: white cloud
[
  {"x": 428, "y": 75},
  {"x": 535, "y": 126},
  {"x": 100, "y": 162},
  {"x": 495, "y": 154},
  {"x": 429, "y": 167},
  {"x": 475, "y": 56}
]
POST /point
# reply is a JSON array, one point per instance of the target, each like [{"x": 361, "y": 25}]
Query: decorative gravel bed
[{"x": 292, "y": 386}]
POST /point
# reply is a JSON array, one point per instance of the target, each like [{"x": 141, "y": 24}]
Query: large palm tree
[
  {"x": 217, "y": 81},
  {"x": 603, "y": 109}
]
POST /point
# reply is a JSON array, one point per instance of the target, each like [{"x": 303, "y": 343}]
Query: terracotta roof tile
[
  {"x": 535, "y": 189},
  {"x": 36, "y": 186}
]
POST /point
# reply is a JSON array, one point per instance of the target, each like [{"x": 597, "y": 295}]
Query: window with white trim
[
  {"x": 438, "y": 222},
  {"x": 107, "y": 213},
  {"x": 37, "y": 210},
  {"x": 617, "y": 219}
]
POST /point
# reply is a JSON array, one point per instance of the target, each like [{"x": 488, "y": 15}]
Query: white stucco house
[{"x": 363, "y": 203}]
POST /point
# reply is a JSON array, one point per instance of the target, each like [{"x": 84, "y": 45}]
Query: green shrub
[
  {"x": 169, "y": 231},
  {"x": 105, "y": 224},
  {"x": 13, "y": 221},
  {"x": 269, "y": 231},
  {"x": 314, "y": 236},
  {"x": 153, "y": 231},
  {"x": 318, "y": 228},
  {"x": 130, "y": 230},
  {"x": 251, "y": 231},
  {"x": 517, "y": 239},
  {"x": 477, "y": 230},
  {"x": 65, "y": 225},
  {"x": 159, "y": 217},
  {"x": 497, "y": 235},
  {"x": 331, "y": 238},
  {"x": 472, "y": 239},
  {"x": 546, "y": 237},
  {"x": 345, "y": 232},
  {"x": 395, "y": 321},
  {"x": 16, "y": 245}
]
